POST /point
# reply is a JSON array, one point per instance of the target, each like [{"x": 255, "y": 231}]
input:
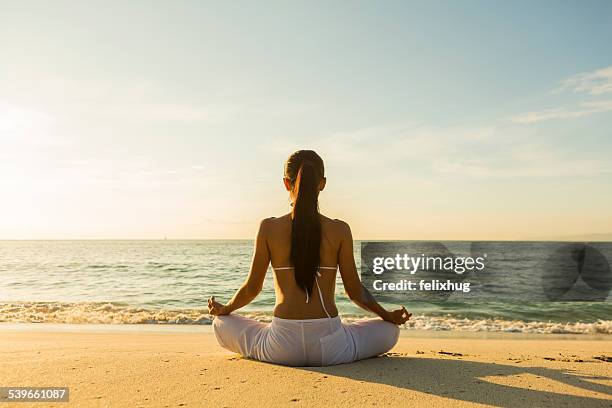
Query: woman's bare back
[{"x": 290, "y": 298}]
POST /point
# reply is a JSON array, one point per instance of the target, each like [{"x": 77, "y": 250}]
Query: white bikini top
[{"x": 318, "y": 274}]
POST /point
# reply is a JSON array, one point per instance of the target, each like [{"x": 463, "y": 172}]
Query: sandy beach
[{"x": 125, "y": 366}]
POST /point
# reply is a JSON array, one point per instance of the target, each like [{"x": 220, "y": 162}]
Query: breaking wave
[{"x": 120, "y": 313}]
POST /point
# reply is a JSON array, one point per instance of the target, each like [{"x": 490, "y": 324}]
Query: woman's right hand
[
  {"x": 398, "y": 316},
  {"x": 215, "y": 308}
]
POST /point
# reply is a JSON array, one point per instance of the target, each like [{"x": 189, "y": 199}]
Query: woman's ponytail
[{"x": 306, "y": 167}]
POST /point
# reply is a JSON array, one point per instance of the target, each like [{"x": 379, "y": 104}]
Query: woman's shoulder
[
  {"x": 333, "y": 226},
  {"x": 271, "y": 223},
  {"x": 336, "y": 225}
]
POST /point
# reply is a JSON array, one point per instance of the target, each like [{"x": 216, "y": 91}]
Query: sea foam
[{"x": 117, "y": 313}]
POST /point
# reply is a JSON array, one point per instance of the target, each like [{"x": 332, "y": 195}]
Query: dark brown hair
[{"x": 305, "y": 170}]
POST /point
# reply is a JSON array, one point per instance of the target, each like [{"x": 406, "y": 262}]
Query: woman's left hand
[
  {"x": 398, "y": 316},
  {"x": 215, "y": 308}
]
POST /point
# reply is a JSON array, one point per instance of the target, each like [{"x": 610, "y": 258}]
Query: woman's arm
[
  {"x": 254, "y": 281},
  {"x": 355, "y": 290}
]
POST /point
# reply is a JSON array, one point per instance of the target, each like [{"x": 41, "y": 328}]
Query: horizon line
[{"x": 577, "y": 238}]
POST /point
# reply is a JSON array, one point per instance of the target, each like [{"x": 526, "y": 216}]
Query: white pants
[{"x": 312, "y": 342}]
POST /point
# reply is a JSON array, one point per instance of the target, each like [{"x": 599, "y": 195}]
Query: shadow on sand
[{"x": 463, "y": 380}]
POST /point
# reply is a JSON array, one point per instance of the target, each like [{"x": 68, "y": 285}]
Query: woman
[{"x": 305, "y": 249}]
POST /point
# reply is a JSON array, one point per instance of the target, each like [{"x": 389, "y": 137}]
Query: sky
[{"x": 436, "y": 120}]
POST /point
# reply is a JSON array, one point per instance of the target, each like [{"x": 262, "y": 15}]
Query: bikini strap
[
  {"x": 321, "y": 297},
  {"x": 307, "y": 296},
  {"x": 282, "y": 268}
]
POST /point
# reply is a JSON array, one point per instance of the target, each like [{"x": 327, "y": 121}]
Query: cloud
[
  {"x": 595, "y": 83},
  {"x": 500, "y": 149},
  {"x": 437, "y": 154},
  {"x": 69, "y": 99},
  {"x": 584, "y": 109},
  {"x": 598, "y": 82}
]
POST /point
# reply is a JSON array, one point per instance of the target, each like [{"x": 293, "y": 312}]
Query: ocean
[{"x": 168, "y": 282}]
